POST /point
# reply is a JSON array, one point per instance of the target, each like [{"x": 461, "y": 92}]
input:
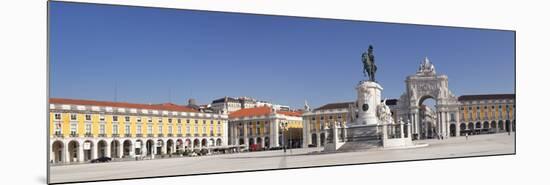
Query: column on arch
[
  {"x": 305, "y": 133},
  {"x": 80, "y": 151},
  {"x": 108, "y": 149}
]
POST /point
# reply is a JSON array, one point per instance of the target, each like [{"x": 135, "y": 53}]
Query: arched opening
[
  {"x": 73, "y": 151},
  {"x": 204, "y": 143},
  {"x": 57, "y": 152},
  {"x": 250, "y": 142},
  {"x": 160, "y": 145},
  {"x": 219, "y": 142},
  {"x": 88, "y": 146},
  {"x": 427, "y": 117},
  {"x": 241, "y": 141},
  {"x": 149, "y": 147},
  {"x": 452, "y": 130},
  {"x": 196, "y": 143},
  {"x": 126, "y": 148},
  {"x": 212, "y": 142},
  {"x": 513, "y": 125},
  {"x": 500, "y": 125},
  {"x": 462, "y": 129},
  {"x": 471, "y": 126},
  {"x": 493, "y": 125},
  {"x": 179, "y": 145},
  {"x": 170, "y": 146},
  {"x": 266, "y": 142},
  {"x": 322, "y": 139},
  {"x": 115, "y": 149},
  {"x": 102, "y": 148},
  {"x": 478, "y": 128},
  {"x": 138, "y": 147},
  {"x": 259, "y": 141}
]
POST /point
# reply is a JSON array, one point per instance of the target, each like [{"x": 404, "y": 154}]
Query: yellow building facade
[
  {"x": 264, "y": 127},
  {"x": 486, "y": 114},
  {"x": 81, "y": 130}
]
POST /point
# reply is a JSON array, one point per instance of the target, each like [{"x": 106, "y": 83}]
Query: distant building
[
  {"x": 487, "y": 113},
  {"x": 262, "y": 127},
  {"x": 230, "y": 104}
]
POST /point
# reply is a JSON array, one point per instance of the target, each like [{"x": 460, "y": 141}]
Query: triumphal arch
[{"x": 427, "y": 84}]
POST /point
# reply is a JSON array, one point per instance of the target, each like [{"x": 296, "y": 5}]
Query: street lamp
[{"x": 284, "y": 126}]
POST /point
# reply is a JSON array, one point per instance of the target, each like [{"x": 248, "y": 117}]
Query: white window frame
[
  {"x": 74, "y": 118},
  {"x": 138, "y": 129},
  {"x": 115, "y": 128}
]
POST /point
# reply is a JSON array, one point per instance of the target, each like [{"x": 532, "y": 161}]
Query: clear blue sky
[{"x": 151, "y": 53}]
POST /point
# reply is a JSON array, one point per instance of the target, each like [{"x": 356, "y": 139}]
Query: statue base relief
[{"x": 370, "y": 129}]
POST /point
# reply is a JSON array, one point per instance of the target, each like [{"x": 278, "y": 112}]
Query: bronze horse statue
[{"x": 369, "y": 68}]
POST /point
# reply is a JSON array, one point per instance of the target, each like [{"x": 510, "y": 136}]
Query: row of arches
[
  {"x": 484, "y": 127},
  {"x": 82, "y": 150}
]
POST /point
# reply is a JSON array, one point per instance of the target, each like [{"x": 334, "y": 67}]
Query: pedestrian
[{"x": 466, "y": 136}]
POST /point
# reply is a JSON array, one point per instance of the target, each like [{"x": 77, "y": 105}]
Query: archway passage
[
  {"x": 115, "y": 149},
  {"x": 74, "y": 146},
  {"x": 57, "y": 152},
  {"x": 88, "y": 149},
  {"x": 196, "y": 143},
  {"x": 204, "y": 143},
  {"x": 259, "y": 142},
  {"x": 127, "y": 148},
  {"x": 102, "y": 148},
  {"x": 179, "y": 145},
  {"x": 149, "y": 147},
  {"x": 138, "y": 147},
  {"x": 266, "y": 142},
  {"x": 462, "y": 129},
  {"x": 452, "y": 132},
  {"x": 508, "y": 126},
  {"x": 159, "y": 147},
  {"x": 212, "y": 142},
  {"x": 427, "y": 129},
  {"x": 314, "y": 139},
  {"x": 241, "y": 141},
  {"x": 322, "y": 139},
  {"x": 219, "y": 142},
  {"x": 170, "y": 146}
]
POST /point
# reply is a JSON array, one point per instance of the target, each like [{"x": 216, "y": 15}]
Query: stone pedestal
[{"x": 368, "y": 98}]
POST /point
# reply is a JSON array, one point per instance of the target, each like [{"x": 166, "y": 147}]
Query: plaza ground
[{"x": 492, "y": 144}]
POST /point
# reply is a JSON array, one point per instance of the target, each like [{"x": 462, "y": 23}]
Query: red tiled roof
[
  {"x": 291, "y": 113},
  {"x": 164, "y": 106},
  {"x": 486, "y": 97},
  {"x": 256, "y": 111},
  {"x": 260, "y": 111}
]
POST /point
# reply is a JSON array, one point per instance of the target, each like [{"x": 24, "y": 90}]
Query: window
[
  {"x": 127, "y": 129},
  {"x": 322, "y": 117},
  {"x": 88, "y": 117},
  {"x": 73, "y": 128},
  {"x": 179, "y": 120},
  {"x": 196, "y": 129},
  {"x": 169, "y": 120},
  {"x": 58, "y": 128},
  {"x": 330, "y": 117},
  {"x": 203, "y": 129},
  {"x": 138, "y": 131},
  {"x": 115, "y": 118},
  {"x": 127, "y": 118},
  {"x": 187, "y": 121},
  {"x": 150, "y": 129},
  {"x": 170, "y": 129},
  {"x": 313, "y": 119},
  {"x": 139, "y": 119},
  {"x": 196, "y": 121},
  {"x": 204, "y": 122},
  {"x": 159, "y": 129},
  {"x": 150, "y": 120},
  {"x": 115, "y": 128},
  {"x": 218, "y": 122},
  {"x": 211, "y": 122},
  {"x": 88, "y": 128},
  {"x": 102, "y": 129},
  {"x": 57, "y": 116},
  {"x": 179, "y": 129},
  {"x": 73, "y": 117},
  {"x": 160, "y": 120},
  {"x": 187, "y": 129},
  {"x": 452, "y": 117},
  {"x": 102, "y": 117}
]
